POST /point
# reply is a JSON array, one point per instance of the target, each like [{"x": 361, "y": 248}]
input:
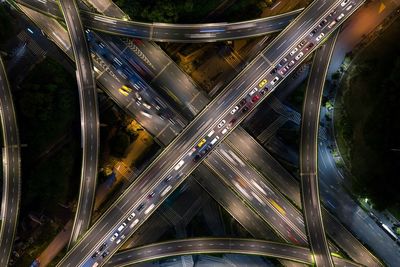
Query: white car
[
  {"x": 121, "y": 227},
  {"x": 299, "y": 56},
  {"x": 274, "y": 80},
  {"x": 146, "y": 105},
  {"x": 179, "y": 165},
  {"x": 332, "y": 24},
  {"x": 114, "y": 237},
  {"x": 253, "y": 91},
  {"x": 340, "y": 17},
  {"x": 293, "y": 51},
  {"x": 320, "y": 37},
  {"x": 221, "y": 123},
  {"x": 349, "y": 7},
  {"x": 344, "y": 2},
  {"x": 234, "y": 110},
  {"x": 224, "y": 131},
  {"x": 130, "y": 217}
]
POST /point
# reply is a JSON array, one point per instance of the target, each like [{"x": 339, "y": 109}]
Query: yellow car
[
  {"x": 262, "y": 83},
  {"x": 125, "y": 90},
  {"x": 201, "y": 142}
]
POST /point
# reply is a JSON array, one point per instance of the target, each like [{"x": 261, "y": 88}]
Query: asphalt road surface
[
  {"x": 11, "y": 157},
  {"x": 89, "y": 118}
]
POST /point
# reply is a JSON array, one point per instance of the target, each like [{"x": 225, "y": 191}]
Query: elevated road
[
  {"x": 217, "y": 245},
  {"x": 176, "y": 161},
  {"x": 11, "y": 169},
  {"x": 308, "y": 154},
  {"x": 165, "y": 32},
  {"x": 253, "y": 153},
  {"x": 89, "y": 118}
]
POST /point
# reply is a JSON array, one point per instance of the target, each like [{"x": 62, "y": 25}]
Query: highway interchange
[{"x": 164, "y": 173}]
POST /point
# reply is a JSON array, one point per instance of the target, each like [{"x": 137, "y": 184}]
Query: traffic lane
[
  {"x": 188, "y": 137},
  {"x": 236, "y": 208},
  {"x": 210, "y": 32},
  {"x": 262, "y": 207},
  {"x": 109, "y": 50},
  {"x": 303, "y": 22},
  {"x": 276, "y": 173},
  {"x": 245, "y": 145},
  {"x": 308, "y": 153},
  {"x": 211, "y": 245},
  {"x": 249, "y": 177},
  {"x": 11, "y": 169},
  {"x": 89, "y": 118},
  {"x": 256, "y": 154},
  {"x": 217, "y": 103}
]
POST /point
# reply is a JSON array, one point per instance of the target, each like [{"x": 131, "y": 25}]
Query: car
[
  {"x": 125, "y": 93},
  {"x": 105, "y": 254},
  {"x": 255, "y": 98},
  {"x": 114, "y": 237},
  {"x": 141, "y": 206},
  {"x": 179, "y": 165},
  {"x": 274, "y": 80},
  {"x": 293, "y": 51},
  {"x": 168, "y": 179},
  {"x": 210, "y": 133},
  {"x": 221, "y": 123},
  {"x": 320, "y": 37},
  {"x": 262, "y": 92},
  {"x": 331, "y": 24},
  {"x": 121, "y": 227},
  {"x": 151, "y": 195},
  {"x": 243, "y": 102},
  {"x": 103, "y": 246},
  {"x": 95, "y": 255},
  {"x": 344, "y": 2},
  {"x": 349, "y": 7},
  {"x": 130, "y": 217},
  {"x": 245, "y": 109},
  {"x": 299, "y": 56},
  {"x": 138, "y": 96},
  {"x": 323, "y": 23},
  {"x": 201, "y": 143},
  {"x": 233, "y": 121},
  {"x": 214, "y": 140},
  {"x": 234, "y": 109},
  {"x": 301, "y": 44},
  {"x": 262, "y": 83},
  {"x": 224, "y": 131},
  {"x": 146, "y": 105},
  {"x": 340, "y": 17},
  {"x": 313, "y": 32},
  {"x": 284, "y": 70},
  {"x": 291, "y": 63},
  {"x": 273, "y": 71},
  {"x": 309, "y": 46},
  {"x": 138, "y": 102},
  {"x": 282, "y": 62},
  {"x": 118, "y": 241},
  {"x": 196, "y": 158},
  {"x": 253, "y": 91},
  {"x": 332, "y": 13},
  {"x": 125, "y": 90}
]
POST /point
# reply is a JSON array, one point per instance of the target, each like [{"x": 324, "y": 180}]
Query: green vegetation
[
  {"x": 366, "y": 121},
  {"x": 188, "y": 11},
  {"x": 47, "y": 108}
]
